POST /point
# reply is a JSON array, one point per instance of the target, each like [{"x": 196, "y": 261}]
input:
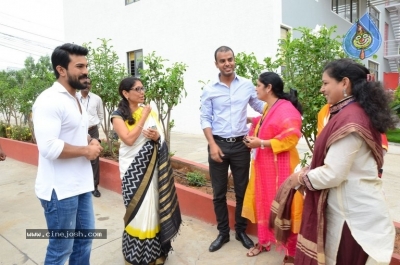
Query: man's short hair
[
  {"x": 223, "y": 49},
  {"x": 60, "y": 55}
]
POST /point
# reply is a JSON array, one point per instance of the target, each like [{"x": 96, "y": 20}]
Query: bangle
[
  {"x": 298, "y": 178},
  {"x": 262, "y": 144}
]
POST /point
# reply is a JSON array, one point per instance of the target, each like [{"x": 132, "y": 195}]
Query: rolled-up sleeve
[
  {"x": 206, "y": 110},
  {"x": 337, "y": 163},
  {"x": 255, "y": 103},
  {"x": 47, "y": 125}
]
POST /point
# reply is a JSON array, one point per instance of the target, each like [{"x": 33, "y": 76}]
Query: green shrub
[
  {"x": 396, "y": 101},
  {"x": 196, "y": 178},
  {"x": 3, "y": 127},
  {"x": 16, "y": 132},
  {"x": 393, "y": 136},
  {"x": 107, "y": 153}
]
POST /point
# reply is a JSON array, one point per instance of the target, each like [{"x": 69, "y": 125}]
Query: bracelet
[
  {"x": 298, "y": 178},
  {"x": 262, "y": 144},
  {"x": 140, "y": 126}
]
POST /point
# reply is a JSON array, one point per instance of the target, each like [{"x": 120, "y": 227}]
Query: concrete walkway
[{"x": 21, "y": 210}]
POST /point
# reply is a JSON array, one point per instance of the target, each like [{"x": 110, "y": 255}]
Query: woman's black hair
[
  {"x": 277, "y": 88},
  {"x": 123, "y": 107},
  {"x": 369, "y": 94}
]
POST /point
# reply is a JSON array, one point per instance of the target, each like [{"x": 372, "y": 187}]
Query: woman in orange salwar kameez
[{"x": 273, "y": 137}]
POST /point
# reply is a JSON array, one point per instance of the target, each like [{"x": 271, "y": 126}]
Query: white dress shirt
[
  {"x": 58, "y": 120},
  {"x": 94, "y": 108},
  {"x": 224, "y": 109}
]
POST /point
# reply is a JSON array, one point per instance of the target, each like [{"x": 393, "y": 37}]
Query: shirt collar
[
  {"x": 61, "y": 89},
  {"x": 218, "y": 81}
]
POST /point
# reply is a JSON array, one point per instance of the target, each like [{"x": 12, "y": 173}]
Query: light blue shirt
[{"x": 224, "y": 109}]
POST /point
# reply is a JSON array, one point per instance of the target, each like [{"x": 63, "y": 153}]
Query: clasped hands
[
  {"x": 252, "y": 141},
  {"x": 94, "y": 149},
  {"x": 151, "y": 133}
]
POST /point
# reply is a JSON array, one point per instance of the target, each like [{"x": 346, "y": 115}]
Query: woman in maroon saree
[{"x": 345, "y": 217}]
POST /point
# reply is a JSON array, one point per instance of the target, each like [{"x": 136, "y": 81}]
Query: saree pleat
[
  {"x": 170, "y": 215},
  {"x": 148, "y": 243},
  {"x": 140, "y": 245}
]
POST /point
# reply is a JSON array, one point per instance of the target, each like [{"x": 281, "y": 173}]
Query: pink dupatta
[{"x": 281, "y": 122}]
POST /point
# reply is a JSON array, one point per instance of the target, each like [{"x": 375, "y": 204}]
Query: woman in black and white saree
[{"x": 152, "y": 215}]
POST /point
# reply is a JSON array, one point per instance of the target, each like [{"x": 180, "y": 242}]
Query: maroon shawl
[{"x": 311, "y": 239}]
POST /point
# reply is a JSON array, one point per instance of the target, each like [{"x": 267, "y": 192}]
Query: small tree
[
  {"x": 165, "y": 87},
  {"x": 304, "y": 59},
  {"x": 300, "y": 62},
  {"x": 105, "y": 73},
  {"x": 8, "y": 95},
  {"x": 34, "y": 78},
  {"x": 248, "y": 66}
]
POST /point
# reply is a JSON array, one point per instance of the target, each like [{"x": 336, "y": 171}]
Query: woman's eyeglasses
[{"x": 138, "y": 89}]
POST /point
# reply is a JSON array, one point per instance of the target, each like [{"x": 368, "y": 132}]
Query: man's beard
[{"x": 76, "y": 83}]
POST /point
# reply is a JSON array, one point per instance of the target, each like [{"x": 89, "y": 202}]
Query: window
[
  {"x": 374, "y": 15},
  {"x": 347, "y": 9},
  {"x": 135, "y": 62},
  {"x": 127, "y": 2},
  {"x": 373, "y": 69},
  {"x": 284, "y": 32}
]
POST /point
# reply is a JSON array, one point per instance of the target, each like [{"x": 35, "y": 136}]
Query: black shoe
[
  {"x": 96, "y": 193},
  {"x": 217, "y": 244},
  {"x": 246, "y": 241}
]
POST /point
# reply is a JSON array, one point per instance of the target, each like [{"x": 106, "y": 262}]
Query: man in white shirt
[
  {"x": 65, "y": 179},
  {"x": 94, "y": 108}
]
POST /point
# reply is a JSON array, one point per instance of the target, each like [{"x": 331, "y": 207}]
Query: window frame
[
  {"x": 374, "y": 71},
  {"x": 128, "y": 2},
  {"x": 137, "y": 59},
  {"x": 349, "y": 13},
  {"x": 373, "y": 17},
  {"x": 288, "y": 30}
]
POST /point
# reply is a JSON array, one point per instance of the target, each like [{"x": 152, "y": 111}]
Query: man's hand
[
  {"x": 93, "y": 149},
  {"x": 216, "y": 153}
]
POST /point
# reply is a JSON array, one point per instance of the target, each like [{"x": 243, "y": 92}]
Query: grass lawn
[{"x": 393, "y": 136}]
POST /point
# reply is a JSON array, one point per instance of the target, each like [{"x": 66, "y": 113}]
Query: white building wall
[{"x": 185, "y": 31}]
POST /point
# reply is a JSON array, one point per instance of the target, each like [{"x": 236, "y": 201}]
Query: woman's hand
[
  {"x": 146, "y": 111},
  {"x": 151, "y": 133},
  {"x": 296, "y": 178},
  {"x": 252, "y": 141}
]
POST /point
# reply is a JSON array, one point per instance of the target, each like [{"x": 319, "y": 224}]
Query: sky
[{"x": 29, "y": 28}]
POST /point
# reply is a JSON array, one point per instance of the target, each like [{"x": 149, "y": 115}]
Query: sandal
[
  {"x": 288, "y": 260},
  {"x": 257, "y": 249}
]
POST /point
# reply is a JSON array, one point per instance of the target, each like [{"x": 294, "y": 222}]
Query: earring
[{"x": 344, "y": 92}]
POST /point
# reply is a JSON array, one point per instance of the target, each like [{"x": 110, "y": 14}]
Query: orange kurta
[{"x": 270, "y": 167}]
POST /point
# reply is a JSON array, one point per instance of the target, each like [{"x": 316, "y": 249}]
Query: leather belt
[{"x": 228, "y": 140}]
